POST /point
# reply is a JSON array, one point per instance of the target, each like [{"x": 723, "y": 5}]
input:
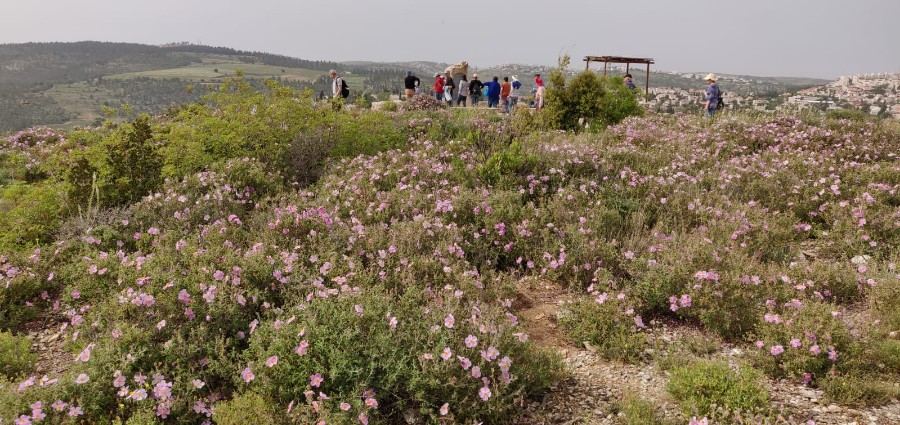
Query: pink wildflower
[
  {"x": 484, "y": 393},
  {"x": 315, "y": 380},
  {"x": 471, "y": 341},
  {"x": 449, "y": 321},
  {"x": 247, "y": 375},
  {"x": 272, "y": 361},
  {"x": 372, "y": 403}
]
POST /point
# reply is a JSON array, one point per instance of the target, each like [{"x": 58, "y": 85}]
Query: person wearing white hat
[
  {"x": 475, "y": 87},
  {"x": 712, "y": 94}
]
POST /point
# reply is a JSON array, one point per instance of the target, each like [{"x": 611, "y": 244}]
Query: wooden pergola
[{"x": 619, "y": 59}]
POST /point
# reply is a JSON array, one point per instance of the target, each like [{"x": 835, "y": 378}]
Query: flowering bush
[
  {"x": 380, "y": 288},
  {"x": 422, "y": 103},
  {"x": 803, "y": 339}
]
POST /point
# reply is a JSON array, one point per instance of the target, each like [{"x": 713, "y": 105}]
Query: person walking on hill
[
  {"x": 475, "y": 87},
  {"x": 712, "y": 94},
  {"x": 438, "y": 87},
  {"x": 505, "y": 90},
  {"x": 538, "y": 92},
  {"x": 411, "y": 83},
  {"x": 336, "y": 84},
  {"x": 463, "y": 91}
]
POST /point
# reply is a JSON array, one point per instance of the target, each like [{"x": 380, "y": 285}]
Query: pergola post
[{"x": 647, "y": 84}]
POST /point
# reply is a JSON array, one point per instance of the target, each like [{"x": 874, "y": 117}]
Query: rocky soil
[{"x": 593, "y": 387}]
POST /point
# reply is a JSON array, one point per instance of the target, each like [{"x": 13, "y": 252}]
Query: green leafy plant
[
  {"x": 587, "y": 100},
  {"x": 245, "y": 409},
  {"x": 858, "y": 390},
  {"x": 606, "y": 327},
  {"x": 703, "y": 385},
  {"x": 15, "y": 355}
]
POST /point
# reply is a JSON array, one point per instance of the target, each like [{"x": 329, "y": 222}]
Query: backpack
[
  {"x": 720, "y": 103},
  {"x": 345, "y": 89}
]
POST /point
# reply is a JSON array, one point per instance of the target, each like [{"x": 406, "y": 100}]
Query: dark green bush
[{"x": 587, "y": 100}]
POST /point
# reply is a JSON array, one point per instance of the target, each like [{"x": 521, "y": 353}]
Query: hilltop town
[{"x": 875, "y": 94}]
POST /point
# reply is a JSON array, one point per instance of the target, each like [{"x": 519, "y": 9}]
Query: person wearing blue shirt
[
  {"x": 712, "y": 94},
  {"x": 629, "y": 82},
  {"x": 493, "y": 93}
]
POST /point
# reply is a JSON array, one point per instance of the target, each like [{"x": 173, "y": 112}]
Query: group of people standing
[{"x": 504, "y": 95}]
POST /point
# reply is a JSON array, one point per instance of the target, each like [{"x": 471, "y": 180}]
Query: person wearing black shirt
[
  {"x": 411, "y": 82},
  {"x": 475, "y": 87}
]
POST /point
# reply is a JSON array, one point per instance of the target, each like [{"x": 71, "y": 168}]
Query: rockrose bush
[{"x": 379, "y": 288}]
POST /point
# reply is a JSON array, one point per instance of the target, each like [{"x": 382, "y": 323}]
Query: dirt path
[{"x": 592, "y": 387}]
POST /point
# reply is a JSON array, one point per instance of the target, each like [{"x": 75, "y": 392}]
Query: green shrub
[
  {"x": 143, "y": 417},
  {"x": 509, "y": 161},
  {"x": 15, "y": 355},
  {"x": 605, "y": 326},
  {"x": 702, "y": 386},
  {"x": 638, "y": 411},
  {"x": 134, "y": 164},
  {"x": 854, "y": 390},
  {"x": 244, "y": 409},
  {"x": 587, "y": 99},
  {"x": 883, "y": 301},
  {"x": 848, "y": 114},
  {"x": 886, "y": 354},
  {"x": 30, "y": 214},
  {"x": 390, "y": 106},
  {"x": 701, "y": 344}
]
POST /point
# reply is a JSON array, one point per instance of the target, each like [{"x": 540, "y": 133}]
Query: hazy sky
[{"x": 815, "y": 38}]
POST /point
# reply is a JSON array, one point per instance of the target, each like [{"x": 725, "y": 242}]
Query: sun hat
[{"x": 710, "y": 76}]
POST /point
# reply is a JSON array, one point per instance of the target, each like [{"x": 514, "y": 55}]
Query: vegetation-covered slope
[{"x": 266, "y": 257}]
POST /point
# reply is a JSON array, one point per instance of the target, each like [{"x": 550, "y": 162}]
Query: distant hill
[{"x": 67, "y": 84}]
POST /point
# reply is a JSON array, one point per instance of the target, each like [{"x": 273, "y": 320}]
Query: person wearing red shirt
[{"x": 438, "y": 87}]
